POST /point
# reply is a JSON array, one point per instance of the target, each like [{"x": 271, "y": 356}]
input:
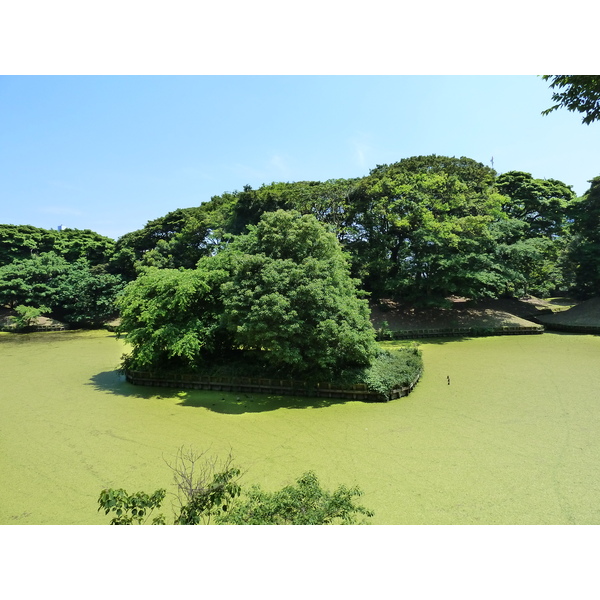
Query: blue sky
[{"x": 110, "y": 153}]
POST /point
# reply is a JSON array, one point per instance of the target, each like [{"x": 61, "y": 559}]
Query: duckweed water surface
[{"x": 513, "y": 439}]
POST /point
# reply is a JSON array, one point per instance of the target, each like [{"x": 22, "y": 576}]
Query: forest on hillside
[{"x": 416, "y": 231}]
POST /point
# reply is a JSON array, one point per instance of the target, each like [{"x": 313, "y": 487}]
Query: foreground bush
[
  {"x": 208, "y": 491},
  {"x": 304, "y": 503}
]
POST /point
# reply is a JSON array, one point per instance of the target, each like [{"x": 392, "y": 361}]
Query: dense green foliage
[
  {"x": 303, "y": 503},
  {"x": 75, "y": 292},
  {"x": 425, "y": 230},
  {"x": 24, "y": 241},
  {"x": 533, "y": 239},
  {"x": 392, "y": 369},
  {"x": 280, "y": 294},
  {"x": 131, "y": 508},
  {"x": 417, "y": 231},
  {"x": 209, "y": 492},
  {"x": 578, "y": 93},
  {"x": 291, "y": 294},
  {"x": 179, "y": 239},
  {"x": 172, "y": 318},
  {"x": 67, "y": 272}
]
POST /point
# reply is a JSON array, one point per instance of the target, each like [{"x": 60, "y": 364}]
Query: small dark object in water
[{"x": 448, "y": 378}]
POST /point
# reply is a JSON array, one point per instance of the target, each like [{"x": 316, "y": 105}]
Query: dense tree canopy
[
  {"x": 171, "y": 317},
  {"x": 67, "y": 272},
  {"x": 75, "y": 292},
  {"x": 291, "y": 293},
  {"x": 281, "y": 293},
  {"x": 24, "y": 241},
  {"x": 535, "y": 235},
  {"x": 423, "y": 231},
  {"x": 418, "y": 230},
  {"x": 542, "y": 204},
  {"x": 179, "y": 239}
]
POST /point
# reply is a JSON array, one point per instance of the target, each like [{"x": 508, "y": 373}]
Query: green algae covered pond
[{"x": 514, "y": 438}]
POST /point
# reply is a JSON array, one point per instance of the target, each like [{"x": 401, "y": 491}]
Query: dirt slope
[
  {"x": 460, "y": 313},
  {"x": 585, "y": 314}
]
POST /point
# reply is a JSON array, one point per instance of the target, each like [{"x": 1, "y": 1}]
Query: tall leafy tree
[
  {"x": 542, "y": 204},
  {"x": 32, "y": 281},
  {"x": 179, "y": 239},
  {"x": 329, "y": 201},
  {"x": 282, "y": 293},
  {"x": 171, "y": 318},
  {"x": 534, "y": 241},
  {"x": 86, "y": 295},
  {"x": 424, "y": 230},
  {"x": 291, "y": 297},
  {"x": 18, "y": 242}
]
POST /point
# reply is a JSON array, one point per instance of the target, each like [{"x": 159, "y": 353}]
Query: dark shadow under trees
[{"x": 230, "y": 403}]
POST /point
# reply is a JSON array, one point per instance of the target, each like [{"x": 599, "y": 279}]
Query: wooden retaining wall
[
  {"x": 410, "y": 334},
  {"x": 35, "y": 328},
  {"x": 260, "y": 385},
  {"x": 572, "y": 328}
]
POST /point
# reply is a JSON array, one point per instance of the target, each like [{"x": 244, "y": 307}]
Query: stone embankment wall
[
  {"x": 410, "y": 334},
  {"x": 572, "y": 328}
]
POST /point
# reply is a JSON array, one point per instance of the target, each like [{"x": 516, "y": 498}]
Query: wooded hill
[
  {"x": 416, "y": 231},
  {"x": 419, "y": 230}
]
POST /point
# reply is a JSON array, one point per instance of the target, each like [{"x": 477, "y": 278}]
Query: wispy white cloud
[{"x": 362, "y": 151}]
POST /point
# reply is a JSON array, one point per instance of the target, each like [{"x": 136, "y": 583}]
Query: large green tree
[
  {"x": 543, "y": 204},
  {"x": 31, "y": 281},
  {"x": 291, "y": 297},
  {"x": 329, "y": 201},
  {"x": 179, "y": 239},
  {"x": 533, "y": 240},
  {"x": 424, "y": 230},
  {"x": 281, "y": 294},
  {"x": 172, "y": 318}
]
